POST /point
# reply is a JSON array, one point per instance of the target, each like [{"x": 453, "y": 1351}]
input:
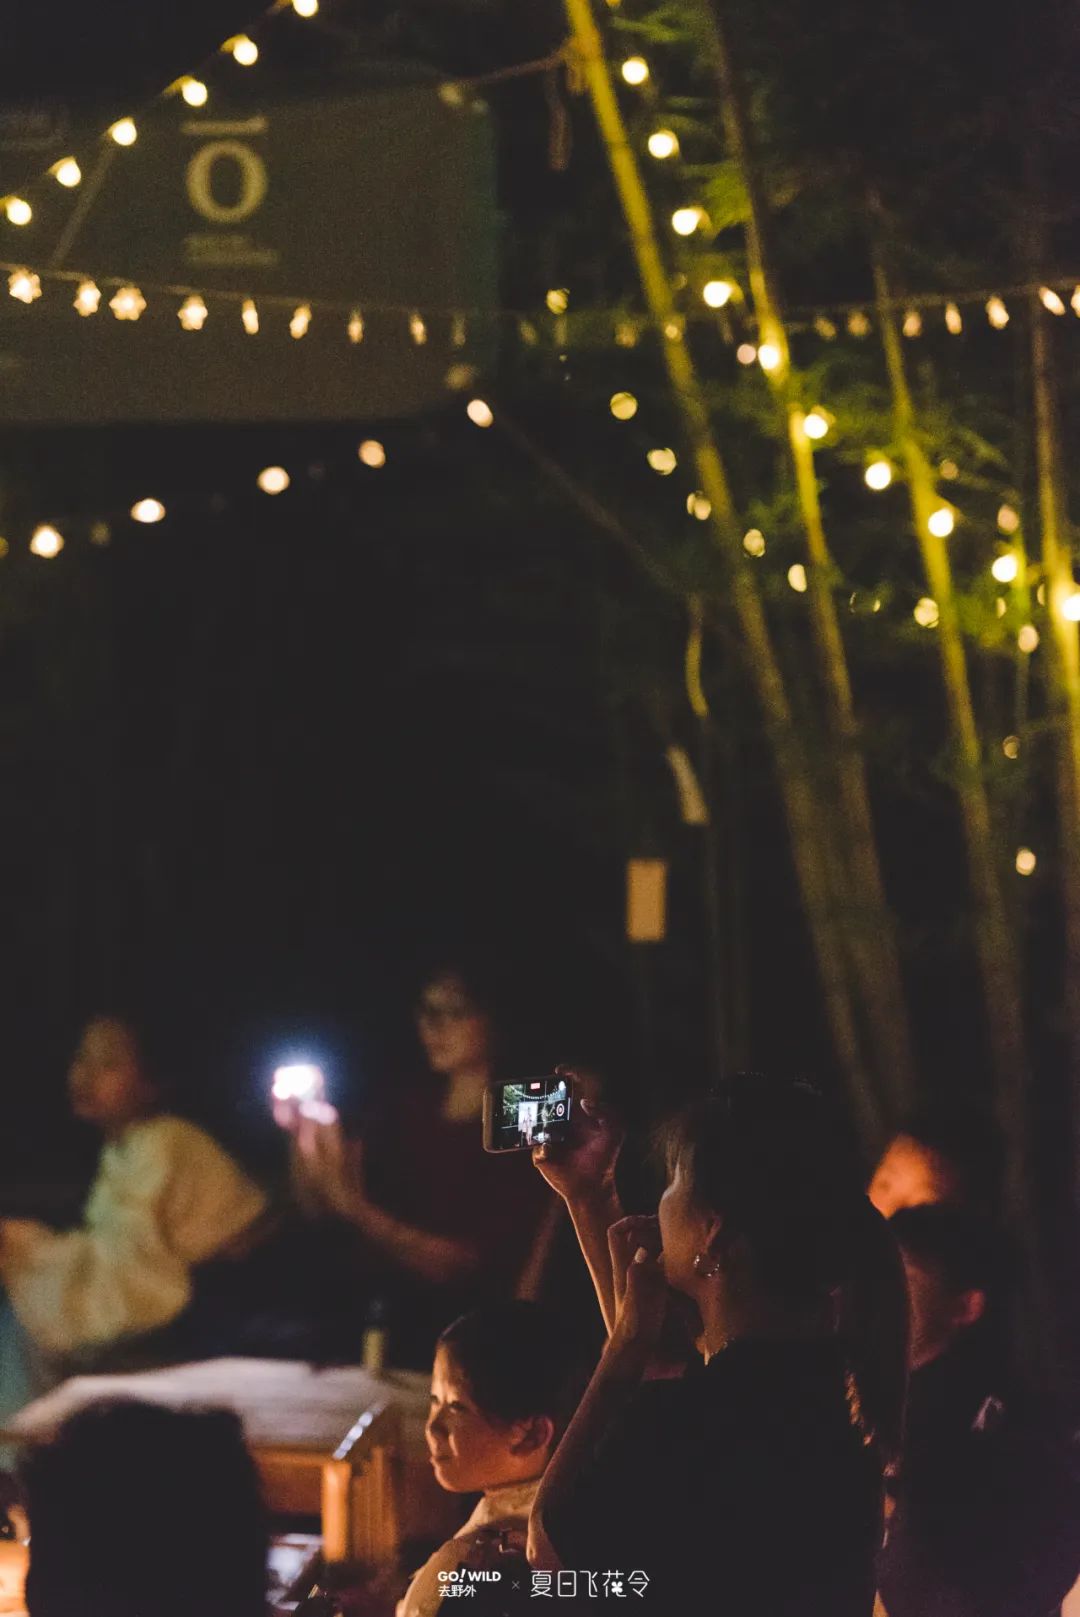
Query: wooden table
[{"x": 327, "y": 1442}]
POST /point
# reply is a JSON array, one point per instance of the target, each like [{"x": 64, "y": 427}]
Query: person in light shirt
[{"x": 166, "y": 1198}]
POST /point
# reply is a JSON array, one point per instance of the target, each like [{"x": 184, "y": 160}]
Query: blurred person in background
[{"x": 941, "y": 1156}]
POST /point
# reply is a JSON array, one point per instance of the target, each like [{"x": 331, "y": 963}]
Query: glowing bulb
[
  {"x": 663, "y": 143},
  {"x": 796, "y": 577},
  {"x": 1008, "y": 520},
  {"x": 124, "y": 132},
  {"x": 24, "y": 285},
  {"x": 1005, "y": 568},
  {"x": 997, "y": 314},
  {"x": 192, "y": 313},
  {"x": 355, "y": 327},
  {"x": 635, "y": 70},
  {"x": 1040, "y": 594},
  {"x": 824, "y": 327},
  {"x": 674, "y": 329},
  {"x": 18, "y": 211},
  {"x": 954, "y": 321},
  {"x": 1001, "y": 606},
  {"x": 941, "y": 522},
  {"x": 305, "y": 8},
  {"x": 147, "y": 511},
  {"x": 663, "y": 461},
  {"x": 194, "y": 92},
  {"x": 372, "y": 453},
  {"x": 301, "y": 320},
  {"x": 480, "y": 413},
  {"x": 244, "y": 50},
  {"x": 814, "y": 425},
  {"x": 754, "y": 542},
  {"x": 949, "y": 470},
  {"x": 88, "y": 298},
  {"x": 1050, "y": 300},
  {"x": 1011, "y": 747},
  {"x": 859, "y": 324},
  {"x": 128, "y": 303},
  {"x": 249, "y": 314},
  {"x": 46, "y": 542},
  {"x": 417, "y": 329},
  {"x": 1070, "y": 606},
  {"x": 769, "y": 357},
  {"x": 699, "y": 505},
  {"x": 1025, "y": 862},
  {"x": 926, "y": 613},
  {"x": 878, "y": 475},
  {"x": 623, "y": 406},
  {"x": 717, "y": 293},
  {"x": 1028, "y": 638},
  {"x": 746, "y": 353},
  {"x": 66, "y": 173},
  {"x": 558, "y": 300},
  {"x": 1074, "y": 301},
  {"x": 684, "y": 221},
  {"x": 912, "y": 326},
  {"x": 273, "y": 480}
]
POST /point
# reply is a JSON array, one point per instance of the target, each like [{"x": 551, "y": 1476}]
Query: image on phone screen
[{"x": 527, "y": 1112}]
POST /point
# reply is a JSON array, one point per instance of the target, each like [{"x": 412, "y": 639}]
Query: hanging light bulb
[
  {"x": 19, "y": 211},
  {"x": 66, "y": 173},
  {"x": 301, "y": 320},
  {"x": 859, "y": 324},
  {"x": 815, "y": 425},
  {"x": 824, "y": 327},
  {"x": 1070, "y": 606},
  {"x": 1025, "y": 862},
  {"x": 24, "y": 286},
  {"x": 124, "y": 132},
  {"x": 662, "y": 461},
  {"x": 1074, "y": 301},
  {"x": 305, "y": 8},
  {"x": 192, "y": 313},
  {"x": 717, "y": 293},
  {"x": 480, "y": 413},
  {"x": 746, "y": 353},
  {"x": 684, "y": 221},
  {"x": 796, "y": 577},
  {"x": 147, "y": 511},
  {"x": 194, "y": 92},
  {"x": 244, "y": 50},
  {"x": 769, "y": 356},
  {"x": 273, "y": 480},
  {"x": 1008, "y": 520},
  {"x": 355, "y": 327},
  {"x": 372, "y": 453},
  {"x": 1028, "y": 638},
  {"x": 663, "y": 143},
  {"x": 941, "y": 522},
  {"x": 249, "y": 314},
  {"x": 1001, "y": 606},
  {"x": 1005, "y": 568},
  {"x": 878, "y": 475},
  {"x": 624, "y": 406},
  {"x": 46, "y": 541},
  {"x": 912, "y": 326},
  {"x": 87, "y": 298},
  {"x": 926, "y": 613},
  {"x": 954, "y": 320},
  {"x": 754, "y": 542},
  {"x": 1011, "y": 747},
  {"x": 997, "y": 314},
  {"x": 128, "y": 303},
  {"x": 635, "y": 70},
  {"x": 417, "y": 329},
  {"x": 558, "y": 300},
  {"x": 1050, "y": 300},
  {"x": 699, "y": 505}
]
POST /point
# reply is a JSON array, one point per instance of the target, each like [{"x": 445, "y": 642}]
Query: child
[{"x": 505, "y": 1381}]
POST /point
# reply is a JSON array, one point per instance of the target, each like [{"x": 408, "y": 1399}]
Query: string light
[
  {"x": 926, "y": 613},
  {"x": 300, "y": 322},
  {"x": 769, "y": 356},
  {"x": 1006, "y": 568},
  {"x": 878, "y": 475},
  {"x": 1040, "y": 594},
  {"x": 66, "y": 173},
  {"x": 147, "y": 511},
  {"x": 717, "y": 293},
  {"x": 1074, "y": 301},
  {"x": 1070, "y": 606},
  {"x": 124, "y": 132},
  {"x": 1008, "y": 520},
  {"x": 459, "y": 331},
  {"x": 624, "y": 406},
  {"x": 273, "y": 480},
  {"x": 859, "y": 324},
  {"x": 1011, "y": 747},
  {"x": 1050, "y": 300},
  {"x": 796, "y": 577},
  {"x": 46, "y": 541},
  {"x": 128, "y": 303},
  {"x": 18, "y": 210},
  {"x": 192, "y": 313},
  {"x": 305, "y": 8},
  {"x": 754, "y": 542},
  {"x": 24, "y": 285},
  {"x": 1025, "y": 862},
  {"x": 663, "y": 143},
  {"x": 244, "y": 50},
  {"x": 558, "y": 300},
  {"x": 949, "y": 470},
  {"x": 480, "y": 413},
  {"x": 997, "y": 314},
  {"x": 674, "y": 328},
  {"x": 626, "y": 334},
  {"x": 100, "y": 533},
  {"x": 662, "y": 461},
  {"x": 912, "y": 326},
  {"x": 355, "y": 327},
  {"x": 815, "y": 425},
  {"x": 87, "y": 298},
  {"x": 417, "y": 328},
  {"x": 372, "y": 453},
  {"x": 684, "y": 221},
  {"x": 699, "y": 505},
  {"x": 1000, "y": 606},
  {"x": 746, "y": 353},
  {"x": 1028, "y": 638},
  {"x": 941, "y": 522},
  {"x": 635, "y": 70},
  {"x": 824, "y": 327},
  {"x": 954, "y": 320},
  {"x": 249, "y": 314},
  {"x": 194, "y": 92}
]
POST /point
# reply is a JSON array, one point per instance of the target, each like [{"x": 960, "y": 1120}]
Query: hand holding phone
[
  {"x": 298, "y": 1090},
  {"x": 582, "y": 1163},
  {"x": 527, "y": 1112}
]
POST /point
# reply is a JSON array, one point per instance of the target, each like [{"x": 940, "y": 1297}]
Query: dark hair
[
  {"x": 148, "y": 1040},
  {"x": 960, "y": 1244},
  {"x": 771, "y": 1157},
  {"x": 519, "y": 1360},
  {"x": 140, "y": 1511},
  {"x": 968, "y": 1144}
]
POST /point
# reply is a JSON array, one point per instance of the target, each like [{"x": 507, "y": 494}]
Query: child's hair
[{"x": 519, "y": 1360}]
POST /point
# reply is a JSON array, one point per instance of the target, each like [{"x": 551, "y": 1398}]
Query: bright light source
[
  {"x": 815, "y": 425},
  {"x": 824, "y": 327},
  {"x": 192, "y": 313},
  {"x": 1070, "y": 606},
  {"x": 194, "y": 92},
  {"x": 717, "y": 293},
  {"x": 1011, "y": 747},
  {"x": 684, "y": 221},
  {"x": 47, "y": 542},
  {"x": 754, "y": 542},
  {"x": 912, "y": 326},
  {"x": 66, "y": 173},
  {"x": 305, "y": 8},
  {"x": 19, "y": 212},
  {"x": 124, "y": 132},
  {"x": 1025, "y": 862},
  {"x": 926, "y": 613},
  {"x": 1074, "y": 301},
  {"x": 859, "y": 323},
  {"x": 663, "y": 461},
  {"x": 301, "y": 320},
  {"x": 941, "y": 522},
  {"x": 635, "y": 70},
  {"x": 954, "y": 321},
  {"x": 88, "y": 298},
  {"x": 663, "y": 143},
  {"x": 24, "y": 285},
  {"x": 699, "y": 505},
  {"x": 147, "y": 511},
  {"x": 1028, "y": 638},
  {"x": 1008, "y": 520},
  {"x": 1050, "y": 300},
  {"x": 796, "y": 577},
  {"x": 746, "y": 353},
  {"x": 244, "y": 50},
  {"x": 372, "y": 453},
  {"x": 624, "y": 406},
  {"x": 769, "y": 356},
  {"x": 949, "y": 470},
  {"x": 355, "y": 327},
  {"x": 273, "y": 480},
  {"x": 249, "y": 314},
  {"x": 480, "y": 413},
  {"x": 417, "y": 329},
  {"x": 301, "y": 1081},
  {"x": 1006, "y": 568},
  {"x": 878, "y": 475},
  {"x": 997, "y": 314},
  {"x": 128, "y": 303},
  {"x": 558, "y": 300}
]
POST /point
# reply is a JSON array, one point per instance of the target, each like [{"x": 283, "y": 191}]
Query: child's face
[{"x": 470, "y": 1453}]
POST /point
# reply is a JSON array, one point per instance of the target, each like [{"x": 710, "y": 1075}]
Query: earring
[{"x": 706, "y": 1268}]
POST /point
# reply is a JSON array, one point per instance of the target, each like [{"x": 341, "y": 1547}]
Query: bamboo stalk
[
  {"x": 870, "y": 933},
  {"x": 804, "y": 812}
]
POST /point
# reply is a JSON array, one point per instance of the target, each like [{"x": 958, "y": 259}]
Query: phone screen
[{"x": 526, "y": 1112}]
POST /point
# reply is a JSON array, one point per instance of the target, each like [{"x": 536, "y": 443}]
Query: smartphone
[
  {"x": 527, "y": 1112},
  {"x": 299, "y": 1090}
]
